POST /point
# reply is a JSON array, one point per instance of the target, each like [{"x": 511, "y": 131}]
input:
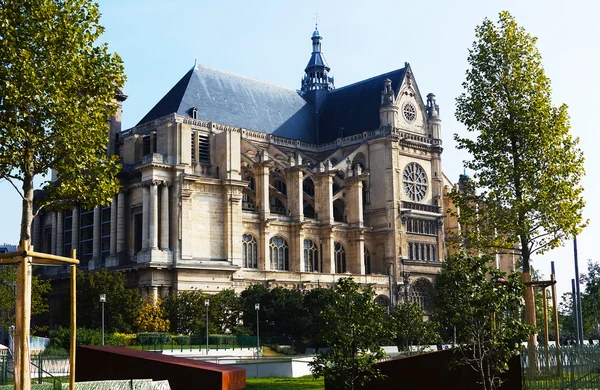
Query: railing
[
  {"x": 574, "y": 367},
  {"x": 198, "y": 343},
  {"x": 421, "y": 207},
  {"x": 43, "y": 369}
]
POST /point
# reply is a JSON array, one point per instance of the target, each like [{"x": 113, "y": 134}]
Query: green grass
[{"x": 302, "y": 383}]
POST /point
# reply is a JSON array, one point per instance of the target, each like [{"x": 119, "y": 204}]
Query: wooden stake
[
  {"x": 23, "y": 317},
  {"x": 73, "y": 321},
  {"x": 546, "y": 338},
  {"x": 558, "y": 362}
]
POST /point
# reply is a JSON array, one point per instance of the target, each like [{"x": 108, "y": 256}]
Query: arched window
[
  {"x": 249, "y": 251},
  {"x": 340, "y": 258},
  {"x": 311, "y": 256},
  {"x": 279, "y": 254},
  {"x": 420, "y": 293},
  {"x": 367, "y": 261}
]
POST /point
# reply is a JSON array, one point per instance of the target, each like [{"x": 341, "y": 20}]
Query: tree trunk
[{"x": 530, "y": 320}]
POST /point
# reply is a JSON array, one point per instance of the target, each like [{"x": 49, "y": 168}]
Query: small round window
[{"x": 409, "y": 111}]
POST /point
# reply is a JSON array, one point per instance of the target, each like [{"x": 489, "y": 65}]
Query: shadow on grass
[{"x": 302, "y": 383}]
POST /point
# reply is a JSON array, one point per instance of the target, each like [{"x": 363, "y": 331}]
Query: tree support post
[{"x": 23, "y": 321}]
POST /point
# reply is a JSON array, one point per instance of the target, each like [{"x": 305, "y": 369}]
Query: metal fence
[
  {"x": 571, "y": 367},
  {"x": 44, "y": 369},
  {"x": 198, "y": 343}
]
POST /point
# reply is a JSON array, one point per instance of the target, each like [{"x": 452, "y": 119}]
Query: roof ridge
[
  {"x": 365, "y": 80},
  {"x": 243, "y": 77}
]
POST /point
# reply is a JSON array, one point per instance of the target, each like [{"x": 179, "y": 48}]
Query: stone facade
[{"x": 214, "y": 205}]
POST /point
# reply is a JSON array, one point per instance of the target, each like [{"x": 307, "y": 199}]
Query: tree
[
  {"x": 57, "y": 89},
  {"x": 483, "y": 306},
  {"x": 186, "y": 312},
  {"x": 527, "y": 167},
  {"x": 316, "y": 301},
  {"x": 39, "y": 295},
  {"x": 409, "y": 329},
  {"x": 256, "y": 293},
  {"x": 352, "y": 327},
  {"x": 590, "y": 301},
  {"x": 152, "y": 318},
  {"x": 122, "y": 304}
]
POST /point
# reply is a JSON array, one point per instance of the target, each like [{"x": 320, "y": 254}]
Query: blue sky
[{"x": 270, "y": 40}]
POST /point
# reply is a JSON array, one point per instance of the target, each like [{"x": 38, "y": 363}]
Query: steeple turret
[{"x": 316, "y": 73}]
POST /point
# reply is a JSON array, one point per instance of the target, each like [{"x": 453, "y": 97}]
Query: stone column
[
  {"x": 355, "y": 201},
  {"x": 327, "y": 254},
  {"x": 97, "y": 245},
  {"x": 120, "y": 222},
  {"x": 53, "y": 232},
  {"x": 261, "y": 172},
  {"x": 60, "y": 234},
  {"x": 145, "y": 215},
  {"x": 295, "y": 193},
  {"x": 36, "y": 240},
  {"x": 153, "y": 217},
  {"x": 153, "y": 294},
  {"x": 324, "y": 197},
  {"x": 164, "y": 217},
  {"x": 113, "y": 227},
  {"x": 164, "y": 292}
]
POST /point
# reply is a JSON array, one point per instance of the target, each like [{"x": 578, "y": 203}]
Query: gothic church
[{"x": 229, "y": 181}]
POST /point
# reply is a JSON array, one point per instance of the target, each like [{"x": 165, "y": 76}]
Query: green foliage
[
  {"x": 39, "y": 295},
  {"x": 60, "y": 338},
  {"x": 527, "y": 167},
  {"x": 58, "y": 87},
  {"x": 590, "y": 301},
  {"x": 352, "y": 326},
  {"x": 315, "y": 301},
  {"x": 153, "y": 338},
  {"x": 152, "y": 318},
  {"x": 302, "y": 383},
  {"x": 408, "y": 327},
  {"x": 122, "y": 304},
  {"x": 483, "y": 304}
]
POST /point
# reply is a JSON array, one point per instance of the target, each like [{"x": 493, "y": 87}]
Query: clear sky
[{"x": 270, "y": 40}]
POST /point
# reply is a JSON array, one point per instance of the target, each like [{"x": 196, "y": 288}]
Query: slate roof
[
  {"x": 355, "y": 107},
  {"x": 238, "y": 101}
]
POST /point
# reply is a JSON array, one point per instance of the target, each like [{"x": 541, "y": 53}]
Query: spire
[{"x": 316, "y": 73}]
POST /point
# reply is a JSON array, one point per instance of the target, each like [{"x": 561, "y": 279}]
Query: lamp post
[
  {"x": 102, "y": 301},
  {"x": 257, "y": 308},
  {"x": 207, "y": 304}
]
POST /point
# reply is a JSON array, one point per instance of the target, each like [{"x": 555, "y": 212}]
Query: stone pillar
[
  {"x": 145, "y": 216},
  {"x": 355, "y": 201},
  {"x": 261, "y": 177},
  {"x": 324, "y": 197},
  {"x": 113, "y": 226},
  {"x": 120, "y": 222},
  {"x": 327, "y": 254},
  {"x": 97, "y": 245},
  {"x": 356, "y": 258},
  {"x": 153, "y": 217},
  {"x": 233, "y": 222},
  {"x": 295, "y": 195},
  {"x": 153, "y": 294},
  {"x": 164, "y": 292},
  {"x": 60, "y": 232},
  {"x": 36, "y": 239},
  {"x": 264, "y": 262},
  {"x": 53, "y": 232},
  {"x": 164, "y": 217}
]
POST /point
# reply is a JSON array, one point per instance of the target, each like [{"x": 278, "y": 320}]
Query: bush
[
  {"x": 181, "y": 340},
  {"x": 152, "y": 338},
  {"x": 122, "y": 339},
  {"x": 60, "y": 338}
]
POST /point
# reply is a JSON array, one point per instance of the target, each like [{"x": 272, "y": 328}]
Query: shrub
[
  {"x": 182, "y": 340},
  {"x": 151, "y": 338}
]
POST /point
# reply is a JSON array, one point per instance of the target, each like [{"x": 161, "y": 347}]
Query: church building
[{"x": 229, "y": 181}]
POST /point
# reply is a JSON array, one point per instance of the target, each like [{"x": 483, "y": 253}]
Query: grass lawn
[{"x": 302, "y": 383}]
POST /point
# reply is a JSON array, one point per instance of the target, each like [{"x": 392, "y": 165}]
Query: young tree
[
  {"x": 186, "y": 312},
  {"x": 590, "y": 301},
  {"x": 527, "y": 166},
  {"x": 482, "y": 304},
  {"x": 408, "y": 328},
  {"x": 57, "y": 89},
  {"x": 152, "y": 318},
  {"x": 353, "y": 327}
]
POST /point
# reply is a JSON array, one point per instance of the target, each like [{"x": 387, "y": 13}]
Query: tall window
[
  {"x": 67, "y": 232},
  {"x": 340, "y": 258},
  {"x": 311, "y": 256},
  {"x": 420, "y": 293},
  {"x": 421, "y": 252},
  {"x": 86, "y": 235},
  {"x": 249, "y": 251},
  {"x": 279, "y": 254},
  {"x": 105, "y": 232},
  {"x": 367, "y": 261}
]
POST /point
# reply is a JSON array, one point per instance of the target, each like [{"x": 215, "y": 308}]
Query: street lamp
[
  {"x": 102, "y": 301},
  {"x": 207, "y": 304},
  {"x": 257, "y": 308}
]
